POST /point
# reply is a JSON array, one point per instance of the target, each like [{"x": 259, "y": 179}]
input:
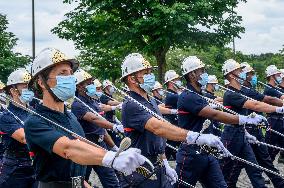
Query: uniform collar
[
  {"x": 138, "y": 96},
  {"x": 105, "y": 93},
  {"x": 209, "y": 92},
  {"x": 85, "y": 98},
  {"x": 234, "y": 89},
  {"x": 189, "y": 86},
  {"x": 14, "y": 108},
  {"x": 45, "y": 109},
  {"x": 171, "y": 91}
]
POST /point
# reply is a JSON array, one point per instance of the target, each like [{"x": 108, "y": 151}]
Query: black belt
[
  {"x": 55, "y": 184},
  {"x": 17, "y": 154},
  {"x": 77, "y": 182}
]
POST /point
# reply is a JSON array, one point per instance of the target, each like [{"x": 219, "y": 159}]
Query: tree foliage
[
  {"x": 106, "y": 31},
  {"x": 8, "y": 59}
]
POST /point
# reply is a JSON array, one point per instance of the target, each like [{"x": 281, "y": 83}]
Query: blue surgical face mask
[
  {"x": 242, "y": 77},
  {"x": 278, "y": 80},
  {"x": 178, "y": 83},
  {"x": 253, "y": 81},
  {"x": 216, "y": 87},
  {"x": 65, "y": 87},
  {"x": 91, "y": 90},
  {"x": 149, "y": 82},
  {"x": 161, "y": 92},
  {"x": 111, "y": 90},
  {"x": 26, "y": 96},
  {"x": 99, "y": 94},
  {"x": 203, "y": 79}
]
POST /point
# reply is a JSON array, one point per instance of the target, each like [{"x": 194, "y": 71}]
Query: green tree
[
  {"x": 8, "y": 59},
  {"x": 108, "y": 30}
]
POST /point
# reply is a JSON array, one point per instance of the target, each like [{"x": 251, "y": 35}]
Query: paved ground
[{"x": 243, "y": 182}]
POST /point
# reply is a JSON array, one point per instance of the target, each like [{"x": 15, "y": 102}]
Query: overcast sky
[{"x": 263, "y": 20}]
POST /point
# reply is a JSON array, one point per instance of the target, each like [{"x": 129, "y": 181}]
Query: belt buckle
[
  {"x": 77, "y": 182},
  {"x": 101, "y": 138}
]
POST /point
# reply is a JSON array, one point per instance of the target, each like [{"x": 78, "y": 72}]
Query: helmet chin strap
[{"x": 49, "y": 90}]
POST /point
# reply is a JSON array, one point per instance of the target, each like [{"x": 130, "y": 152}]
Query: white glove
[
  {"x": 126, "y": 162},
  {"x": 257, "y": 119},
  {"x": 114, "y": 148},
  {"x": 118, "y": 128},
  {"x": 170, "y": 172},
  {"x": 279, "y": 110},
  {"x": 174, "y": 111},
  {"x": 251, "y": 139},
  {"x": 117, "y": 107},
  {"x": 207, "y": 139}
]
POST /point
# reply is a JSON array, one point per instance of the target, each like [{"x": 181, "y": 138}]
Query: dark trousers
[
  {"x": 193, "y": 166},
  {"x": 276, "y": 123},
  {"x": 263, "y": 157},
  {"x": 17, "y": 173},
  {"x": 170, "y": 153},
  {"x": 106, "y": 175},
  {"x": 234, "y": 140}
]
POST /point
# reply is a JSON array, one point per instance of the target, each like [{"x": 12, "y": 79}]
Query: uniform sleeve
[
  {"x": 192, "y": 103},
  {"x": 235, "y": 100},
  {"x": 9, "y": 124},
  {"x": 134, "y": 116},
  {"x": 79, "y": 110},
  {"x": 39, "y": 132},
  {"x": 256, "y": 95},
  {"x": 104, "y": 99},
  {"x": 272, "y": 92}
]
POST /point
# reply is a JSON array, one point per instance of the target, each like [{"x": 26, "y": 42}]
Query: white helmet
[
  {"x": 170, "y": 75},
  {"x": 97, "y": 83},
  {"x": 190, "y": 64},
  {"x": 230, "y": 65},
  {"x": 157, "y": 86},
  {"x": 226, "y": 82},
  {"x": 82, "y": 76},
  {"x": 106, "y": 83},
  {"x": 247, "y": 68},
  {"x": 271, "y": 70},
  {"x": 49, "y": 57},
  {"x": 2, "y": 85},
  {"x": 19, "y": 76},
  {"x": 133, "y": 63},
  {"x": 212, "y": 79}
]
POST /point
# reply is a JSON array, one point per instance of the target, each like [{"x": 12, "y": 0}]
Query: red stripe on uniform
[
  {"x": 128, "y": 129},
  {"x": 228, "y": 106},
  {"x": 32, "y": 154},
  {"x": 183, "y": 112},
  {"x": 2, "y": 133}
]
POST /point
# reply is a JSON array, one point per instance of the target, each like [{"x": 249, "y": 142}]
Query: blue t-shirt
[
  {"x": 110, "y": 115},
  {"x": 134, "y": 119},
  {"x": 158, "y": 101},
  {"x": 9, "y": 124},
  {"x": 209, "y": 95},
  {"x": 80, "y": 110},
  {"x": 41, "y": 136},
  {"x": 234, "y": 101},
  {"x": 189, "y": 106},
  {"x": 273, "y": 92},
  {"x": 171, "y": 103}
]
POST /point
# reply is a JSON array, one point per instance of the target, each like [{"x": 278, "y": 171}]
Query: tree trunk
[{"x": 161, "y": 62}]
